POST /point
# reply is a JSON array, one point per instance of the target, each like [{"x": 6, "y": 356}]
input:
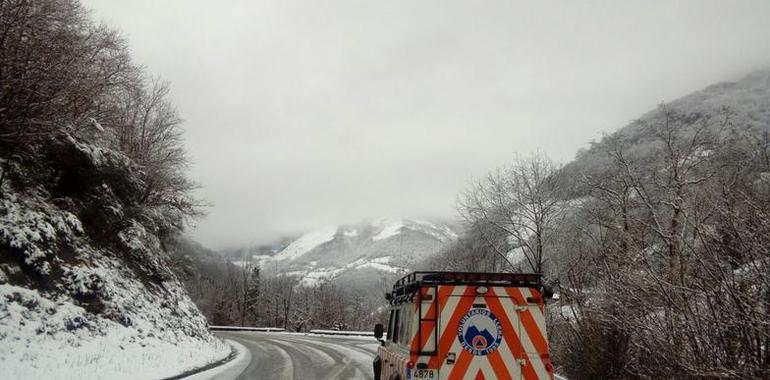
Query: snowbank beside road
[
  {"x": 229, "y": 370},
  {"x": 43, "y": 338},
  {"x": 92, "y": 298}
]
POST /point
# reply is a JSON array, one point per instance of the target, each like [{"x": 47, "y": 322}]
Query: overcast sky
[{"x": 301, "y": 114}]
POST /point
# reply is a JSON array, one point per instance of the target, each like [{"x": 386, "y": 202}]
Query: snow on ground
[
  {"x": 90, "y": 301},
  {"x": 566, "y": 312},
  {"x": 382, "y": 260},
  {"x": 381, "y": 267},
  {"x": 147, "y": 338},
  {"x": 316, "y": 276},
  {"x": 230, "y": 370},
  {"x": 313, "y": 277},
  {"x": 306, "y": 243},
  {"x": 378, "y": 263},
  {"x": 29, "y": 229}
]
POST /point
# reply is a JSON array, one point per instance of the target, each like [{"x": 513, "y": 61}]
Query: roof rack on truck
[{"x": 412, "y": 282}]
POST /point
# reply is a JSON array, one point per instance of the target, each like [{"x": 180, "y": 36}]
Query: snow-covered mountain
[{"x": 386, "y": 246}]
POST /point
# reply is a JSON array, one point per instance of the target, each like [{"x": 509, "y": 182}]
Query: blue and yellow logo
[{"x": 479, "y": 332}]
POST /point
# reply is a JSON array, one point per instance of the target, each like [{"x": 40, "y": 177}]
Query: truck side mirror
[
  {"x": 547, "y": 292},
  {"x": 378, "y": 331}
]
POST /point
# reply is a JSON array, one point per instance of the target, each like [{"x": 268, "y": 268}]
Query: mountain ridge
[{"x": 383, "y": 246}]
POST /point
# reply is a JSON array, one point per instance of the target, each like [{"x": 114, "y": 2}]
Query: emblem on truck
[{"x": 479, "y": 332}]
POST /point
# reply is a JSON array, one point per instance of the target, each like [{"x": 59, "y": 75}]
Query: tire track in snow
[
  {"x": 356, "y": 344},
  {"x": 306, "y": 360},
  {"x": 312, "y": 350},
  {"x": 344, "y": 367},
  {"x": 280, "y": 363},
  {"x": 288, "y": 369},
  {"x": 361, "y": 358}
]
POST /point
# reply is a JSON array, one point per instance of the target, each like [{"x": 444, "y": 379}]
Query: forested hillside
[
  {"x": 92, "y": 186},
  {"x": 656, "y": 238}
]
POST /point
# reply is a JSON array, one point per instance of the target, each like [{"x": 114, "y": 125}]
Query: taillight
[{"x": 410, "y": 364}]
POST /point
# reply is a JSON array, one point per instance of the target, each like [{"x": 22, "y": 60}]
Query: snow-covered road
[{"x": 299, "y": 356}]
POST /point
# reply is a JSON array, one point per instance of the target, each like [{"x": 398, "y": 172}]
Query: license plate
[{"x": 425, "y": 374}]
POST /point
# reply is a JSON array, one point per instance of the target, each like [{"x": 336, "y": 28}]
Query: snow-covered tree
[{"x": 519, "y": 200}]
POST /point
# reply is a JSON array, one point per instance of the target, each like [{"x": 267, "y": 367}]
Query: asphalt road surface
[{"x": 296, "y": 356}]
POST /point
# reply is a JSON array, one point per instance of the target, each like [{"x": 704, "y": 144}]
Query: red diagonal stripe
[
  {"x": 510, "y": 334},
  {"x": 529, "y": 325},
  {"x": 458, "y": 370},
  {"x": 450, "y": 333},
  {"x": 498, "y": 365}
]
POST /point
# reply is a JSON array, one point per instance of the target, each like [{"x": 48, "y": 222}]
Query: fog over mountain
[
  {"x": 305, "y": 114},
  {"x": 389, "y": 247}
]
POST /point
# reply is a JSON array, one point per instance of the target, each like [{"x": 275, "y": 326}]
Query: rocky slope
[{"x": 85, "y": 287}]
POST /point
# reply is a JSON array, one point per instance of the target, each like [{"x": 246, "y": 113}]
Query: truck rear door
[{"x": 490, "y": 333}]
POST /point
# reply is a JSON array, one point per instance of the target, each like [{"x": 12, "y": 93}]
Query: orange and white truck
[{"x": 451, "y": 325}]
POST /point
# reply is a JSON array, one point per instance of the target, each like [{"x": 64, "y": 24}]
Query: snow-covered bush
[
  {"x": 32, "y": 230},
  {"x": 82, "y": 283}
]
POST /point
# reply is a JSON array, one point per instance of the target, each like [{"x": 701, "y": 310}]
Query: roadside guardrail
[
  {"x": 340, "y": 332},
  {"x": 278, "y": 329},
  {"x": 246, "y": 328}
]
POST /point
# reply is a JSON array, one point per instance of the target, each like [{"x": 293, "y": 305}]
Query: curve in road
[{"x": 299, "y": 356}]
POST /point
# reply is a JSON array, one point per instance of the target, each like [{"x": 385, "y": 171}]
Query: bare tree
[
  {"x": 57, "y": 69},
  {"x": 252, "y": 295},
  {"x": 520, "y": 200}
]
